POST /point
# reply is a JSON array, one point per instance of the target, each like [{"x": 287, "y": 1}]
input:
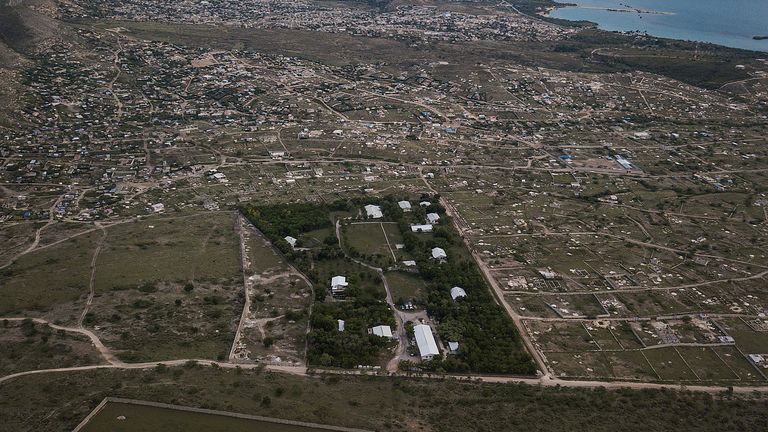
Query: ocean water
[{"x": 731, "y": 23}]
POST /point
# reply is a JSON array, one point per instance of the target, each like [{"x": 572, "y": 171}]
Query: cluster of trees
[
  {"x": 281, "y": 220},
  {"x": 354, "y": 346}
]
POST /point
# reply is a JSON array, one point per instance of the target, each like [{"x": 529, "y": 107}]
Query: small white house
[
  {"x": 373, "y": 211},
  {"x": 341, "y": 324},
  {"x": 157, "y": 208},
  {"x": 425, "y": 228},
  {"x": 425, "y": 342},
  {"x": 439, "y": 253},
  {"x": 409, "y": 263},
  {"x": 425, "y": 203},
  {"x": 338, "y": 284},
  {"x": 433, "y": 218},
  {"x": 382, "y": 331},
  {"x": 453, "y": 347},
  {"x": 457, "y": 292},
  {"x": 405, "y": 205},
  {"x": 291, "y": 241}
]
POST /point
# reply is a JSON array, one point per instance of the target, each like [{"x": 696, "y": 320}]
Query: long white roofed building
[{"x": 425, "y": 341}]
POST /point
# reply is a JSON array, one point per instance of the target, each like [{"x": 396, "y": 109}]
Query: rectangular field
[{"x": 136, "y": 417}]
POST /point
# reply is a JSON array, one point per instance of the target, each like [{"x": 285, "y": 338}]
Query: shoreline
[{"x": 740, "y": 42}]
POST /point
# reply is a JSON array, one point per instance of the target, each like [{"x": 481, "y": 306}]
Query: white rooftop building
[
  {"x": 382, "y": 331},
  {"x": 338, "y": 284},
  {"x": 291, "y": 241},
  {"x": 426, "y": 228},
  {"x": 457, "y": 292},
  {"x": 157, "y": 208},
  {"x": 405, "y": 205},
  {"x": 439, "y": 253},
  {"x": 433, "y": 218},
  {"x": 425, "y": 341},
  {"x": 341, "y": 324},
  {"x": 453, "y": 347},
  {"x": 373, "y": 211}
]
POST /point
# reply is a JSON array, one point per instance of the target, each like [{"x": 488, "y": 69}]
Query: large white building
[
  {"x": 427, "y": 228},
  {"x": 338, "y": 284},
  {"x": 425, "y": 341},
  {"x": 373, "y": 211}
]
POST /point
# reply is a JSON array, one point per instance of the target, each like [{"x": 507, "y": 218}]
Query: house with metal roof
[{"x": 425, "y": 342}]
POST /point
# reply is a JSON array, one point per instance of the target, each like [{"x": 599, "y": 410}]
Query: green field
[
  {"x": 144, "y": 418},
  {"x": 405, "y": 285},
  {"x": 369, "y": 242},
  {"x": 196, "y": 247},
  {"x": 43, "y": 279}
]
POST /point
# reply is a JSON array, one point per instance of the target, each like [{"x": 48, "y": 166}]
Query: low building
[
  {"x": 458, "y": 292},
  {"x": 157, "y": 208},
  {"x": 291, "y": 241},
  {"x": 433, "y": 218},
  {"x": 338, "y": 284},
  {"x": 341, "y": 325},
  {"x": 426, "y": 228},
  {"x": 425, "y": 341},
  {"x": 439, "y": 254},
  {"x": 373, "y": 211},
  {"x": 453, "y": 347},
  {"x": 382, "y": 331},
  {"x": 405, "y": 205}
]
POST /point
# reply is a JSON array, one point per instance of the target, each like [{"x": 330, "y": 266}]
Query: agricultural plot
[{"x": 141, "y": 417}]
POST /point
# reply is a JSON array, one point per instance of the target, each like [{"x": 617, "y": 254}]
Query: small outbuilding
[
  {"x": 457, "y": 292},
  {"x": 439, "y": 253},
  {"x": 382, "y": 331}
]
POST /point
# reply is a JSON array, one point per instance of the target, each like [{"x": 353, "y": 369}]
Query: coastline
[{"x": 628, "y": 20}]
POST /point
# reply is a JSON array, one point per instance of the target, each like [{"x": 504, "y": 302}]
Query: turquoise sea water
[{"x": 731, "y": 23}]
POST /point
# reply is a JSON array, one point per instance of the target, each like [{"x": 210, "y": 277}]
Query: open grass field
[
  {"x": 372, "y": 242},
  {"x": 194, "y": 247},
  {"x": 168, "y": 288},
  {"x": 375, "y": 403},
  {"x": 143, "y": 418},
  {"x": 405, "y": 285},
  {"x": 43, "y": 279}
]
